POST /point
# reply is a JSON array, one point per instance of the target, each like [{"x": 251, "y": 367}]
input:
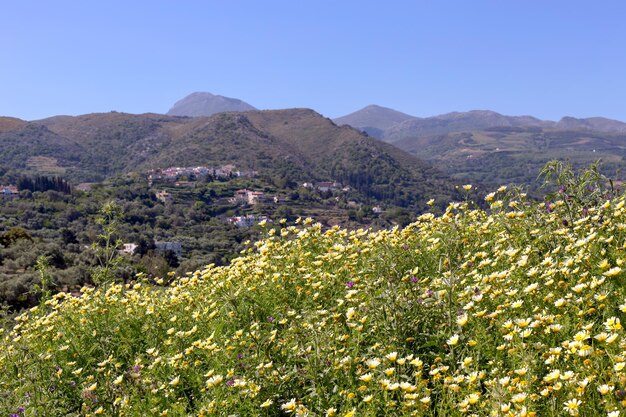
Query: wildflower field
[{"x": 513, "y": 311}]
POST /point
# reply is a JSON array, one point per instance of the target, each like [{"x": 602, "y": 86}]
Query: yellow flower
[
  {"x": 453, "y": 341},
  {"x": 473, "y": 398},
  {"x": 366, "y": 377},
  {"x": 267, "y": 403},
  {"x": 372, "y": 363},
  {"x": 289, "y": 406},
  {"x": 572, "y": 405},
  {"x": 605, "y": 389},
  {"x": 613, "y": 271},
  {"x": 519, "y": 398}
]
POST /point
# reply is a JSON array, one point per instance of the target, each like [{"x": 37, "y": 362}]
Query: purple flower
[
  {"x": 270, "y": 319},
  {"x": 585, "y": 211},
  {"x": 562, "y": 189},
  {"x": 565, "y": 223},
  {"x": 230, "y": 382},
  {"x": 429, "y": 293},
  {"x": 21, "y": 409},
  {"x": 414, "y": 279},
  {"x": 350, "y": 284}
]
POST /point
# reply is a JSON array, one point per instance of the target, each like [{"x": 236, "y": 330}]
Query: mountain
[
  {"x": 8, "y": 124},
  {"x": 598, "y": 124},
  {"x": 295, "y": 144},
  {"x": 483, "y": 146},
  {"x": 206, "y": 104},
  {"x": 374, "y": 120},
  {"x": 393, "y": 126}
]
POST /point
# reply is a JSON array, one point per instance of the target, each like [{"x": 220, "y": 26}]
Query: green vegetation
[
  {"x": 81, "y": 234},
  {"x": 514, "y": 155},
  {"x": 513, "y": 311}
]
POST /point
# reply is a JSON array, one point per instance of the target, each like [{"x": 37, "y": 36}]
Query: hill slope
[
  {"x": 206, "y": 104},
  {"x": 297, "y": 144},
  {"x": 488, "y": 147},
  {"x": 455, "y": 315}
]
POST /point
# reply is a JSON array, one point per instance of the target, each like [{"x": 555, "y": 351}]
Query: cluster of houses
[
  {"x": 9, "y": 192},
  {"x": 176, "y": 173},
  {"x": 243, "y": 196}
]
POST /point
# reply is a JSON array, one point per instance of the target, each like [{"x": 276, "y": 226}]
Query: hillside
[
  {"x": 8, "y": 124},
  {"x": 515, "y": 311},
  {"x": 516, "y": 154},
  {"x": 297, "y": 144},
  {"x": 488, "y": 147},
  {"x": 457, "y": 122},
  {"x": 598, "y": 124},
  {"x": 206, "y": 104}
]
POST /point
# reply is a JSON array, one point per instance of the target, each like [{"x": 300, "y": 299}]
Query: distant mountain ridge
[
  {"x": 483, "y": 146},
  {"x": 393, "y": 126},
  {"x": 201, "y": 104}
]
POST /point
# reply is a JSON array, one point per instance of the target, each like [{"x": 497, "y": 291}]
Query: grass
[{"x": 515, "y": 311}]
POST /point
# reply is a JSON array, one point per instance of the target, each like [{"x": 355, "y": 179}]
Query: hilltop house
[
  {"x": 85, "y": 186},
  {"x": 9, "y": 191},
  {"x": 164, "y": 197},
  {"x": 246, "y": 221},
  {"x": 128, "y": 248},
  {"x": 247, "y": 196}
]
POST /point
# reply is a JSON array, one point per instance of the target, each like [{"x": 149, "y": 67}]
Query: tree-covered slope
[{"x": 297, "y": 144}]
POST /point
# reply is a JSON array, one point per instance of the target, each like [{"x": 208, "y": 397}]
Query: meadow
[{"x": 513, "y": 310}]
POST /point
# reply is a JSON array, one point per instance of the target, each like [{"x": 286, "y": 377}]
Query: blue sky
[{"x": 543, "y": 58}]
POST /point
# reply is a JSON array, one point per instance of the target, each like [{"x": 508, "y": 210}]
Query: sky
[{"x": 542, "y": 58}]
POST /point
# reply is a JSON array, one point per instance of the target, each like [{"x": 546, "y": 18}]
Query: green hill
[
  {"x": 490, "y": 148},
  {"x": 297, "y": 144},
  {"x": 516, "y": 311}
]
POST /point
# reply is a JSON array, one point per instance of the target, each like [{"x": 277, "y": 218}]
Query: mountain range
[
  {"x": 478, "y": 146},
  {"x": 296, "y": 144},
  {"x": 488, "y": 147},
  {"x": 391, "y": 125}
]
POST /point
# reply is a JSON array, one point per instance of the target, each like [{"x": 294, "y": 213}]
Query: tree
[{"x": 105, "y": 247}]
